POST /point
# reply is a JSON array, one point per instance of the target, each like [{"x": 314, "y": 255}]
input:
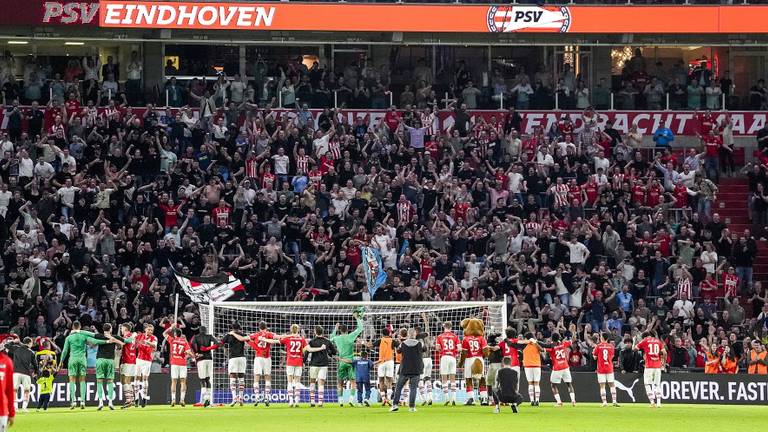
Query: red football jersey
[
  {"x": 262, "y": 349},
  {"x": 7, "y": 390},
  {"x": 294, "y": 348},
  {"x": 559, "y": 355},
  {"x": 473, "y": 345},
  {"x": 507, "y": 350},
  {"x": 603, "y": 354},
  {"x": 651, "y": 348},
  {"x": 447, "y": 344},
  {"x": 179, "y": 347},
  {"x": 147, "y": 346},
  {"x": 128, "y": 355}
]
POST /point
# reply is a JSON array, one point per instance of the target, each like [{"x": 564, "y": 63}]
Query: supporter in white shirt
[
  {"x": 601, "y": 162},
  {"x": 577, "y": 251},
  {"x": 5, "y": 199},
  {"x": 66, "y": 194},
  {"x": 281, "y": 162},
  {"x": 26, "y": 165},
  {"x": 43, "y": 169}
]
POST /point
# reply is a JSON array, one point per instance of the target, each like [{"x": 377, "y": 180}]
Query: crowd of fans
[
  {"x": 572, "y": 226},
  {"x": 363, "y": 85}
]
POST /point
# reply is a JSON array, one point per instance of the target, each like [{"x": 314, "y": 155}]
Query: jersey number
[
  {"x": 295, "y": 347},
  {"x": 178, "y": 350},
  {"x": 261, "y": 344},
  {"x": 448, "y": 345},
  {"x": 653, "y": 349},
  {"x": 560, "y": 355},
  {"x": 474, "y": 346},
  {"x": 605, "y": 355}
]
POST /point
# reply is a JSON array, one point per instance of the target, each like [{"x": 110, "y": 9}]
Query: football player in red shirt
[
  {"x": 561, "y": 372},
  {"x": 128, "y": 364},
  {"x": 295, "y": 346},
  {"x": 474, "y": 349},
  {"x": 7, "y": 392},
  {"x": 179, "y": 350},
  {"x": 603, "y": 353},
  {"x": 147, "y": 344},
  {"x": 654, "y": 354},
  {"x": 261, "y": 342},
  {"x": 447, "y": 344}
]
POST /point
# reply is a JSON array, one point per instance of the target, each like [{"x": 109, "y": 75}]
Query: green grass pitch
[{"x": 584, "y": 417}]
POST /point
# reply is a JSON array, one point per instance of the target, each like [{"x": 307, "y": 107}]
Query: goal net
[{"x": 218, "y": 317}]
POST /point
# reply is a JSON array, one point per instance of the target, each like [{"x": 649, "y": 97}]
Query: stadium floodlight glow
[
  {"x": 74, "y": 43},
  {"x": 17, "y": 42}
]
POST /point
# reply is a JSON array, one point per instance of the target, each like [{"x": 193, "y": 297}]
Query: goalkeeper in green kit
[
  {"x": 77, "y": 366},
  {"x": 345, "y": 346}
]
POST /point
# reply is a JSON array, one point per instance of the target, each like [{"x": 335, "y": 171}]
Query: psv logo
[{"x": 507, "y": 19}]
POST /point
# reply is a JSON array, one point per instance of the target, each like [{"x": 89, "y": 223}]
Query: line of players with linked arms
[{"x": 343, "y": 345}]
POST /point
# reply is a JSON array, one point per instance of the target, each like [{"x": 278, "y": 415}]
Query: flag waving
[
  {"x": 375, "y": 276},
  {"x": 206, "y": 289}
]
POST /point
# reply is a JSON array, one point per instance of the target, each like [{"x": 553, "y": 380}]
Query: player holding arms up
[
  {"x": 560, "y": 370},
  {"x": 179, "y": 351},
  {"x": 654, "y": 354},
  {"x": 447, "y": 344},
  {"x": 318, "y": 365},
  {"x": 236, "y": 365},
  {"x": 261, "y": 342},
  {"x": 603, "y": 354},
  {"x": 202, "y": 345},
  {"x": 345, "y": 345}
]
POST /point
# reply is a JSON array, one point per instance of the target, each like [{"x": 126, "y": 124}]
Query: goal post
[{"x": 279, "y": 316}]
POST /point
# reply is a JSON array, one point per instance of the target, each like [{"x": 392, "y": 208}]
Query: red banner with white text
[{"x": 682, "y": 123}]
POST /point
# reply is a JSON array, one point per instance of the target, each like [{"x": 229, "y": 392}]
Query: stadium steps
[{"x": 732, "y": 206}]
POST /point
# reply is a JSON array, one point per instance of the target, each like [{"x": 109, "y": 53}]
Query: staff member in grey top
[{"x": 411, "y": 366}]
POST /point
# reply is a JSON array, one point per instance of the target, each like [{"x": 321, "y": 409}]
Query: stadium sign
[
  {"x": 688, "y": 388},
  {"x": 433, "y": 18},
  {"x": 681, "y": 123},
  {"x": 49, "y": 12}
]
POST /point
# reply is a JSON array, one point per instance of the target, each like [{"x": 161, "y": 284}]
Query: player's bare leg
[
  {"x": 312, "y": 385},
  {"x": 173, "y": 392},
  {"x": 454, "y": 389},
  {"x": 651, "y": 392},
  {"x": 128, "y": 390},
  {"x": 240, "y": 387},
  {"x": 233, "y": 388},
  {"x": 256, "y": 389},
  {"x": 556, "y": 393},
  {"x": 572, "y": 394},
  {"x": 603, "y": 396},
  {"x": 267, "y": 389},
  {"x": 320, "y": 392},
  {"x": 183, "y": 392},
  {"x": 145, "y": 390}
]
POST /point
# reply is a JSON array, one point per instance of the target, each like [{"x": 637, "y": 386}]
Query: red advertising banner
[
  {"x": 49, "y": 13},
  {"x": 444, "y": 18},
  {"x": 681, "y": 123}
]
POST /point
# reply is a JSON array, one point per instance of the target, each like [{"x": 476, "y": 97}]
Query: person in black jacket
[
  {"x": 411, "y": 366},
  {"x": 629, "y": 360},
  {"x": 505, "y": 386},
  {"x": 24, "y": 366}
]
